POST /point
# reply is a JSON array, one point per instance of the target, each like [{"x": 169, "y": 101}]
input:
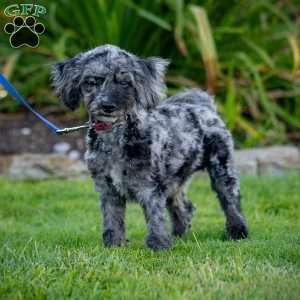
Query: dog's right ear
[{"x": 66, "y": 77}]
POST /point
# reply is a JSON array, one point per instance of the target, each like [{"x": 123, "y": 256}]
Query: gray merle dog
[{"x": 142, "y": 149}]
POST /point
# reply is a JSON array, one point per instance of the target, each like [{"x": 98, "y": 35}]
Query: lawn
[{"x": 50, "y": 246}]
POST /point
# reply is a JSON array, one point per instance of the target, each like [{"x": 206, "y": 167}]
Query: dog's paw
[
  {"x": 179, "y": 229},
  {"x": 157, "y": 243},
  {"x": 183, "y": 224},
  {"x": 236, "y": 231},
  {"x": 190, "y": 207},
  {"x": 111, "y": 239}
]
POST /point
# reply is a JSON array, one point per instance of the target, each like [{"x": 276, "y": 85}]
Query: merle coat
[{"x": 140, "y": 148}]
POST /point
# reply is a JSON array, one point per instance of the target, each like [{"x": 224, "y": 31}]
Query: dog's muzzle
[{"x": 103, "y": 123}]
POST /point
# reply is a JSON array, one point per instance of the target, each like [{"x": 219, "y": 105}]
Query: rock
[
  {"x": 74, "y": 155},
  {"x": 246, "y": 164},
  {"x": 5, "y": 163},
  {"x": 42, "y": 166},
  {"x": 61, "y": 148},
  {"x": 278, "y": 160},
  {"x": 26, "y": 131},
  {"x": 275, "y": 160}
]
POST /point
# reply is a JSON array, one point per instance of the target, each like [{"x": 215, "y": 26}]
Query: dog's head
[{"x": 112, "y": 83}]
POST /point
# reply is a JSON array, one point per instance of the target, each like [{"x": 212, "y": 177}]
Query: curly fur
[{"x": 154, "y": 148}]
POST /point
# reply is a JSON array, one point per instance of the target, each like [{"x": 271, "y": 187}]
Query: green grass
[{"x": 50, "y": 246}]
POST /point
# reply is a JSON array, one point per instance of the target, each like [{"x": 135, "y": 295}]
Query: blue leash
[{"x": 13, "y": 92}]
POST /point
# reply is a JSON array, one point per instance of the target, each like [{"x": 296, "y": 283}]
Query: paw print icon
[{"x": 24, "y": 32}]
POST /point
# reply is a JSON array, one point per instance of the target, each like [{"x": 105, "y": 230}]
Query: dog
[{"x": 143, "y": 149}]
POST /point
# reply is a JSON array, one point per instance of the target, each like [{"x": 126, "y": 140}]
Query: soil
[{"x": 23, "y": 132}]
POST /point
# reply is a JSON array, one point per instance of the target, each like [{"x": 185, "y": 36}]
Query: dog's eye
[
  {"x": 91, "y": 82},
  {"x": 99, "y": 80}
]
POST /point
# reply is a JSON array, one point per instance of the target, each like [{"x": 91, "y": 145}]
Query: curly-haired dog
[{"x": 143, "y": 150}]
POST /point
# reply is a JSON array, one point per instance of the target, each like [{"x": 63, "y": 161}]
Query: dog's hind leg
[
  {"x": 181, "y": 212},
  {"x": 220, "y": 165}
]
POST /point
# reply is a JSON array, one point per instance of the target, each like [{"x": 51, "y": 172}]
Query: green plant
[{"x": 246, "y": 53}]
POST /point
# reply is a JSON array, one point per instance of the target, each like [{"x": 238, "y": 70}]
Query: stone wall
[
  {"x": 41, "y": 166},
  {"x": 276, "y": 161}
]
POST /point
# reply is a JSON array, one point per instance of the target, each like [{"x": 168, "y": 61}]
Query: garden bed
[{"x": 24, "y": 133}]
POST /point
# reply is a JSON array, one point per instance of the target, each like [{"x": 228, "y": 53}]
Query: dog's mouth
[{"x": 103, "y": 123}]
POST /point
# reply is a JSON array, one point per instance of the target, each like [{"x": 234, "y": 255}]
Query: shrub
[{"x": 246, "y": 53}]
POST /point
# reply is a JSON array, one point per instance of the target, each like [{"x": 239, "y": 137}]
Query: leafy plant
[{"x": 246, "y": 53}]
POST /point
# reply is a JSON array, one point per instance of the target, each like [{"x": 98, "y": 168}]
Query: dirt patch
[{"x": 23, "y": 132}]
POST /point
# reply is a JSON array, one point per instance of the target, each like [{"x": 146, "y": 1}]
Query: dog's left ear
[
  {"x": 152, "y": 87},
  {"x": 66, "y": 77}
]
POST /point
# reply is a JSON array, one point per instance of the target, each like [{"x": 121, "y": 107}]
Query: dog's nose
[{"x": 108, "y": 108}]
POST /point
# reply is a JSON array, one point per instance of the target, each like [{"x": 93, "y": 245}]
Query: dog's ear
[
  {"x": 152, "y": 87},
  {"x": 66, "y": 77}
]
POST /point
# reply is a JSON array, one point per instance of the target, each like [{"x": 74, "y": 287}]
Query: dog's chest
[
  {"x": 116, "y": 175},
  {"x": 117, "y": 171},
  {"x": 122, "y": 165},
  {"x": 107, "y": 167}
]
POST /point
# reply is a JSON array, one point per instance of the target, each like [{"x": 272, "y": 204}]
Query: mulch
[{"x": 22, "y": 132}]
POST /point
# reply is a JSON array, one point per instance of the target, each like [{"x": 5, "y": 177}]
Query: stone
[
  {"x": 26, "y": 131},
  {"x": 42, "y": 166},
  {"x": 245, "y": 164},
  {"x": 278, "y": 160},
  {"x": 5, "y": 163},
  {"x": 61, "y": 148},
  {"x": 74, "y": 155},
  {"x": 273, "y": 160}
]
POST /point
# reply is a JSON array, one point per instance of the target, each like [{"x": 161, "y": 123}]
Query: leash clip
[{"x": 71, "y": 129}]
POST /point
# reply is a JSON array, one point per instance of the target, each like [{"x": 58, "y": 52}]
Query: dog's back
[{"x": 192, "y": 97}]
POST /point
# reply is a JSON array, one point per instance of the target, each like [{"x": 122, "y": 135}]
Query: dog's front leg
[
  {"x": 113, "y": 210},
  {"x": 154, "y": 206}
]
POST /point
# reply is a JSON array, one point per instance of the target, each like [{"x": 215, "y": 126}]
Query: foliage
[
  {"x": 50, "y": 246},
  {"x": 245, "y": 52}
]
